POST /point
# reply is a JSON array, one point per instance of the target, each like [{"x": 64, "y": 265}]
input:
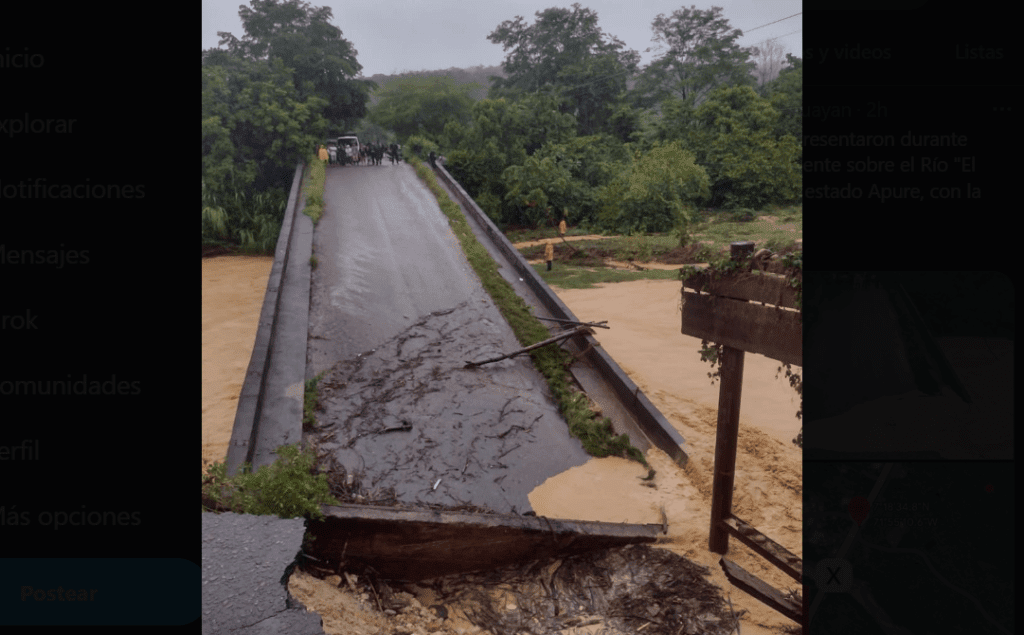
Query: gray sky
[{"x": 392, "y": 36}]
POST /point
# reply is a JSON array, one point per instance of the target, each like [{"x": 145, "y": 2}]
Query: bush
[
  {"x": 741, "y": 215},
  {"x": 421, "y": 147},
  {"x": 314, "y": 189},
  {"x": 287, "y": 488},
  {"x": 252, "y": 222},
  {"x": 734, "y": 132},
  {"x": 655, "y": 194}
]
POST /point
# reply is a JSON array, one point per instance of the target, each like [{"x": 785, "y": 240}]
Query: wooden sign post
[{"x": 748, "y": 311}]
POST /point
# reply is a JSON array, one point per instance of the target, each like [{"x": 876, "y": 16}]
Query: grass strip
[
  {"x": 314, "y": 189},
  {"x": 572, "y": 277},
  {"x": 594, "y": 432},
  {"x": 287, "y": 488}
]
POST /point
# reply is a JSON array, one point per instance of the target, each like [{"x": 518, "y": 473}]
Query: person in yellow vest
[
  {"x": 549, "y": 253},
  {"x": 324, "y": 156},
  {"x": 561, "y": 228}
]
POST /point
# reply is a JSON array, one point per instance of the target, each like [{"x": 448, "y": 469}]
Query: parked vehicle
[{"x": 349, "y": 144}]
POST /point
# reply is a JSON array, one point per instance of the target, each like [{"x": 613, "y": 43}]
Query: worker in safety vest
[
  {"x": 324, "y": 156},
  {"x": 549, "y": 253}
]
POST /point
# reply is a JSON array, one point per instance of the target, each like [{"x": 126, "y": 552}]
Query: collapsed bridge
[{"x": 388, "y": 318}]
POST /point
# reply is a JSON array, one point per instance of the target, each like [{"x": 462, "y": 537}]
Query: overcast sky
[{"x": 392, "y": 36}]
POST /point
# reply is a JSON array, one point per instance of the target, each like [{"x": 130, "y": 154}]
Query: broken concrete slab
[
  {"x": 413, "y": 545},
  {"x": 246, "y": 564},
  {"x": 407, "y": 415}
]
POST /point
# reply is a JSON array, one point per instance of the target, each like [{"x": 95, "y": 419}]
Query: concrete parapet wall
[
  {"x": 267, "y": 417},
  {"x": 654, "y": 424}
]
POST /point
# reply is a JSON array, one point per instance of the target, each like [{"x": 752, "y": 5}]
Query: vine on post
[{"x": 723, "y": 268}]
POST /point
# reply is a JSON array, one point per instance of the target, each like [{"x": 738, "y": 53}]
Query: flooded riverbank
[
  {"x": 666, "y": 366},
  {"x": 233, "y": 291}
]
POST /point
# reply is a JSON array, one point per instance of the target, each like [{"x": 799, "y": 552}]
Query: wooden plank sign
[
  {"x": 773, "y": 332},
  {"x": 755, "y": 286},
  {"x": 745, "y": 311}
]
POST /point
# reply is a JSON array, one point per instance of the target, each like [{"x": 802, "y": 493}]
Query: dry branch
[
  {"x": 602, "y": 324},
  {"x": 551, "y": 340}
]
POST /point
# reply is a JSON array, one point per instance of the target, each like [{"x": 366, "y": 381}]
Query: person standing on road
[
  {"x": 549, "y": 253},
  {"x": 324, "y": 156}
]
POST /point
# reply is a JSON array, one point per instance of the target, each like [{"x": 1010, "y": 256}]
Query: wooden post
[
  {"x": 725, "y": 446},
  {"x": 728, "y": 431}
]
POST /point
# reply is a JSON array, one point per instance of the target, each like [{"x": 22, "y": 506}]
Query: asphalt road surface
[{"x": 395, "y": 313}]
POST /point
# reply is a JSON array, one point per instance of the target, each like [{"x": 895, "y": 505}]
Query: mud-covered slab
[
  {"x": 396, "y": 312},
  {"x": 409, "y": 416},
  {"x": 414, "y": 545}
]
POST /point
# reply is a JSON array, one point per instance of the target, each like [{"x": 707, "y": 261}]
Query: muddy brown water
[
  {"x": 233, "y": 291},
  {"x": 768, "y": 468}
]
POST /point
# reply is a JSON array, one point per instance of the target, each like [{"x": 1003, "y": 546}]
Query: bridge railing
[
  {"x": 268, "y": 414},
  {"x": 654, "y": 425}
]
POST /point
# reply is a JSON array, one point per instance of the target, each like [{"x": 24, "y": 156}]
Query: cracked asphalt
[{"x": 396, "y": 311}]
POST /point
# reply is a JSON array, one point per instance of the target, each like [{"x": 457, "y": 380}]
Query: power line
[
  {"x": 774, "y": 38},
  {"x": 771, "y": 23}
]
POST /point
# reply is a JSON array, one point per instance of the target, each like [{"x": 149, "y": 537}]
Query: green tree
[
  {"x": 422, "y": 105},
  {"x": 256, "y": 127},
  {"x": 369, "y": 132},
  {"x": 502, "y": 134},
  {"x": 302, "y": 37},
  {"x": 786, "y": 94},
  {"x": 535, "y": 186},
  {"x": 591, "y": 162},
  {"x": 733, "y": 136},
  {"x": 657, "y": 192},
  {"x": 566, "y": 50},
  {"x": 700, "y": 54}
]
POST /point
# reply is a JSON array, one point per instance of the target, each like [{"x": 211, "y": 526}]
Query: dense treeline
[
  {"x": 570, "y": 124},
  {"x": 268, "y": 98},
  {"x": 479, "y": 75},
  {"x": 573, "y": 126}
]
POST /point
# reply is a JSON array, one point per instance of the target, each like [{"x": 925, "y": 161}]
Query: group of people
[{"x": 370, "y": 154}]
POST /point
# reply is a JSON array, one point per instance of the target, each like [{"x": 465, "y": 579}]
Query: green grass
[
  {"x": 287, "y": 488},
  {"x": 311, "y": 402},
  {"x": 241, "y": 223},
  {"x": 641, "y": 248},
  {"x": 594, "y": 433},
  {"x": 313, "y": 188},
  {"x": 721, "y": 228},
  {"x": 572, "y": 277},
  {"x": 521, "y": 235}
]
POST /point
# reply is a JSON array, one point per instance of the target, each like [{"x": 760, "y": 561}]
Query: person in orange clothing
[
  {"x": 549, "y": 253},
  {"x": 324, "y": 156}
]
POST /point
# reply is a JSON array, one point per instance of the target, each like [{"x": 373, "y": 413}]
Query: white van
[{"x": 349, "y": 144}]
